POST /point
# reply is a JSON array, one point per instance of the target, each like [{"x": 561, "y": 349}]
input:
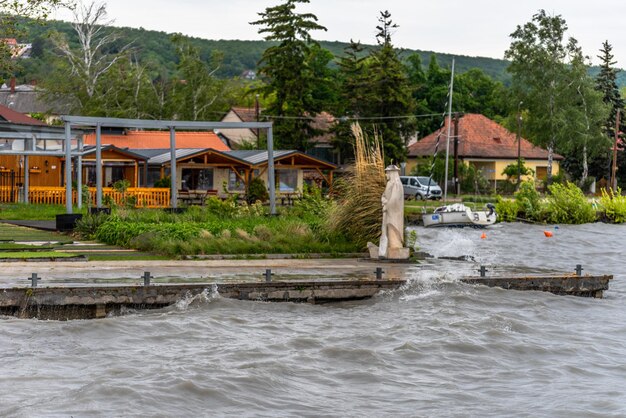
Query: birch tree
[
  {"x": 92, "y": 59},
  {"x": 196, "y": 92},
  {"x": 585, "y": 118},
  {"x": 539, "y": 71}
]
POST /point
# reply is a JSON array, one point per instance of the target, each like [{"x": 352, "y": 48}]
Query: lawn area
[
  {"x": 19, "y": 233},
  {"x": 23, "y": 212},
  {"x": 61, "y": 246},
  {"x": 25, "y": 255}
]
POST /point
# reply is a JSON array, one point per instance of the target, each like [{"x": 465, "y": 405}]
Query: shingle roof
[
  {"x": 28, "y": 99},
  {"x": 246, "y": 114},
  {"x": 480, "y": 137},
  {"x": 161, "y": 139}
]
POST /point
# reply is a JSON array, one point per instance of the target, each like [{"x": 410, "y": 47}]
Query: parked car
[{"x": 418, "y": 188}]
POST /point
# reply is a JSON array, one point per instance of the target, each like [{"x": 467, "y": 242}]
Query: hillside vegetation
[{"x": 155, "y": 50}]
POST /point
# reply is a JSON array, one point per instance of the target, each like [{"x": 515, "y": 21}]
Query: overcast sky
[{"x": 461, "y": 27}]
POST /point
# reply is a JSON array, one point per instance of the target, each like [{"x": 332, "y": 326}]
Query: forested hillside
[{"x": 155, "y": 50}]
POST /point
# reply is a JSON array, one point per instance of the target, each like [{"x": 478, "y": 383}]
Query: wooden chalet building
[{"x": 205, "y": 164}]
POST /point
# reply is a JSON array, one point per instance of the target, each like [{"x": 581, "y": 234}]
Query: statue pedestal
[
  {"x": 392, "y": 253},
  {"x": 398, "y": 254}
]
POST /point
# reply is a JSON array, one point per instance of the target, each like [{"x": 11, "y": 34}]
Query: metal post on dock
[
  {"x": 483, "y": 271},
  {"x": 34, "y": 279},
  {"x": 146, "y": 278},
  {"x": 379, "y": 273},
  {"x": 268, "y": 275},
  {"x": 579, "y": 269}
]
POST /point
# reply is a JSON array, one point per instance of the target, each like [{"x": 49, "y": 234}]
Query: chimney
[{"x": 12, "y": 85}]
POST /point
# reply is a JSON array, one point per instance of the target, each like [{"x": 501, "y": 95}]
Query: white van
[{"x": 417, "y": 187}]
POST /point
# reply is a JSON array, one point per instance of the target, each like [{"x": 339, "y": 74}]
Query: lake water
[{"x": 435, "y": 348}]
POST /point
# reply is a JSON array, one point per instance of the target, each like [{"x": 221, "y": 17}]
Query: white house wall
[{"x": 237, "y": 136}]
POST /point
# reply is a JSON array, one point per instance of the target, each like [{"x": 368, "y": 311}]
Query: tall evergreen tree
[
  {"x": 289, "y": 78},
  {"x": 606, "y": 83},
  {"x": 390, "y": 94},
  {"x": 353, "y": 93}
]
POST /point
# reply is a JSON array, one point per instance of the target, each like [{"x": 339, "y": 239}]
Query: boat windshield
[{"x": 424, "y": 181}]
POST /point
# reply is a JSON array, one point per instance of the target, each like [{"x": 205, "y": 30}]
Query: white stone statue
[{"x": 392, "y": 238}]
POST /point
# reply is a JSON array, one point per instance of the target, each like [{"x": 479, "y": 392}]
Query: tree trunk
[{"x": 585, "y": 166}]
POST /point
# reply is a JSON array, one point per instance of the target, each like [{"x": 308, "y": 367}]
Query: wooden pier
[
  {"x": 87, "y": 302},
  {"x": 91, "y": 300},
  {"x": 567, "y": 284}
]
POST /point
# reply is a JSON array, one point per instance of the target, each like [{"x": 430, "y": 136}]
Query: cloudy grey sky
[{"x": 462, "y": 27}]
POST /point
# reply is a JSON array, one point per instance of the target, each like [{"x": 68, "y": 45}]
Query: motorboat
[{"x": 460, "y": 215}]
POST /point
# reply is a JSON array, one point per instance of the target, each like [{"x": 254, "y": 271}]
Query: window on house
[
  {"x": 197, "y": 179},
  {"x": 154, "y": 175},
  {"x": 235, "y": 183},
  {"x": 287, "y": 180}
]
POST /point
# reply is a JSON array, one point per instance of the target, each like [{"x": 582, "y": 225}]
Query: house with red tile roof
[
  {"x": 11, "y": 116},
  {"x": 486, "y": 145}
]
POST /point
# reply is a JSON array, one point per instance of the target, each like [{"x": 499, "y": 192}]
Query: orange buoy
[
  {"x": 548, "y": 233},
  {"x": 483, "y": 236}
]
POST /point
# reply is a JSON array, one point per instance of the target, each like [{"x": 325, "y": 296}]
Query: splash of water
[{"x": 201, "y": 299}]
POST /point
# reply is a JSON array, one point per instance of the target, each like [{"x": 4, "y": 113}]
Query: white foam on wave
[
  {"x": 205, "y": 297},
  {"x": 458, "y": 243},
  {"x": 426, "y": 284}
]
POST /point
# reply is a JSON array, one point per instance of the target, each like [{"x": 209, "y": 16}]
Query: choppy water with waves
[{"x": 435, "y": 348}]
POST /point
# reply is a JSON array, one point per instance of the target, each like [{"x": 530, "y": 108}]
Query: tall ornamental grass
[{"x": 358, "y": 213}]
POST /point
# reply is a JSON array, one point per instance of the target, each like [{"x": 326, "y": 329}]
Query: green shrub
[
  {"x": 511, "y": 170},
  {"x": 614, "y": 205},
  {"x": 528, "y": 200},
  {"x": 87, "y": 226},
  {"x": 506, "y": 210},
  {"x": 312, "y": 202},
  {"x": 566, "y": 204},
  {"x": 257, "y": 191},
  {"x": 165, "y": 182}
]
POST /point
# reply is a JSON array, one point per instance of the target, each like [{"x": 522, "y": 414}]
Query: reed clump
[{"x": 358, "y": 214}]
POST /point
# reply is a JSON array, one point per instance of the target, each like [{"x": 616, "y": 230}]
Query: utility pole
[
  {"x": 256, "y": 113},
  {"x": 457, "y": 183},
  {"x": 614, "y": 167},
  {"x": 519, "y": 145}
]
